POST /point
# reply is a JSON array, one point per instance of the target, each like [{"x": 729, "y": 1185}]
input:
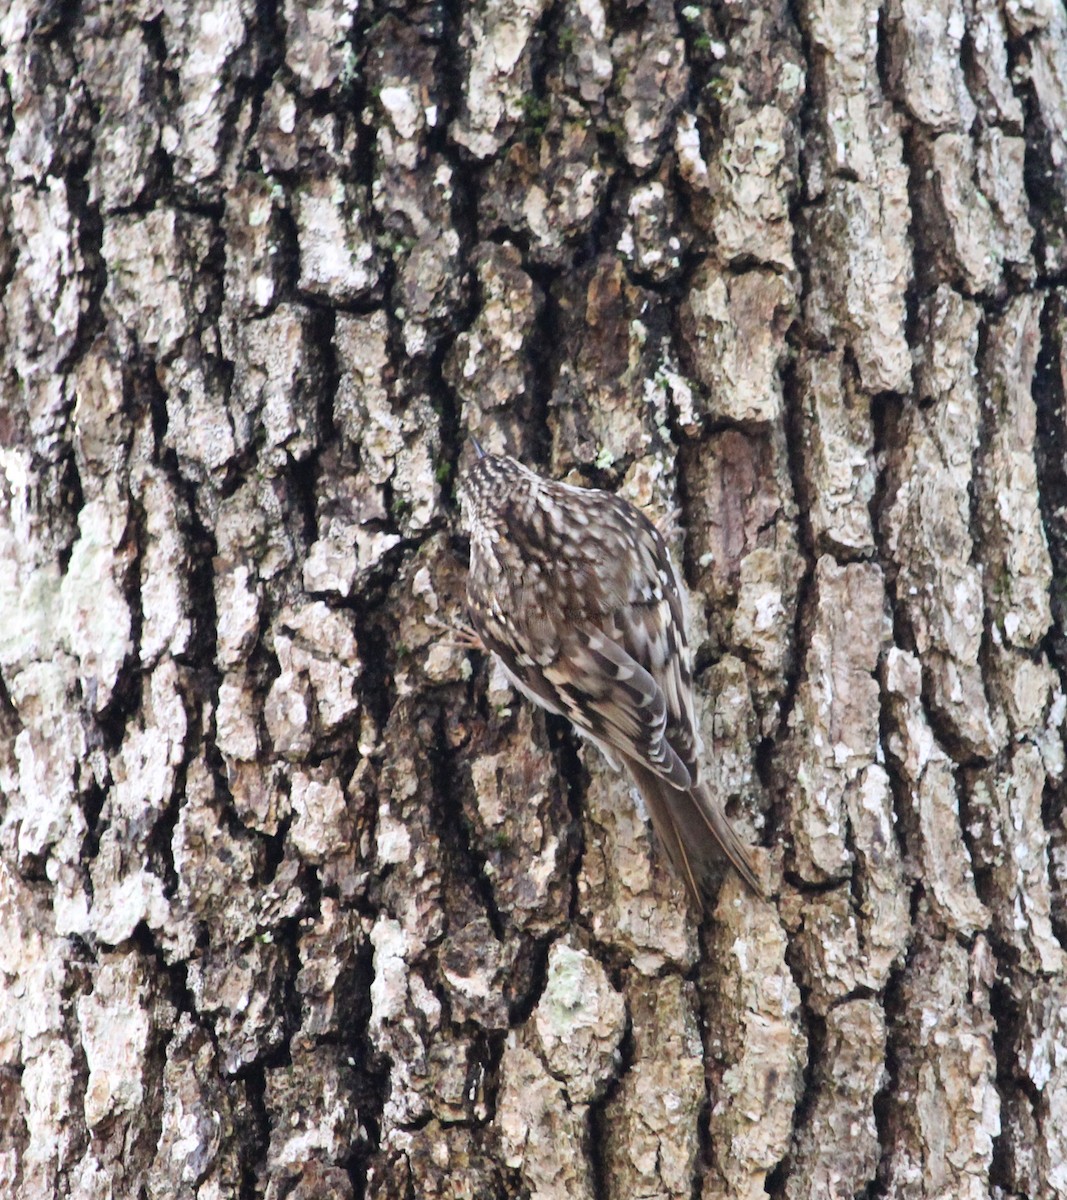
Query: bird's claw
[{"x": 459, "y": 636}]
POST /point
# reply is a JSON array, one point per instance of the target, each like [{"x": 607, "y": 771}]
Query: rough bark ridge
[{"x": 292, "y": 902}]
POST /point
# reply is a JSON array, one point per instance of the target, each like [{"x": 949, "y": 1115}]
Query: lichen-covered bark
[{"x": 298, "y": 898}]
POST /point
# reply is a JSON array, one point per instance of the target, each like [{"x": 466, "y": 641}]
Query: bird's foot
[
  {"x": 668, "y": 524},
  {"x": 458, "y": 636}
]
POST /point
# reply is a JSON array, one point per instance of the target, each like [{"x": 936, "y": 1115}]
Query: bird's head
[{"x": 491, "y": 492}]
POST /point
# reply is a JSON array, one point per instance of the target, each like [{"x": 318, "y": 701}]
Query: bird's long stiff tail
[{"x": 694, "y": 832}]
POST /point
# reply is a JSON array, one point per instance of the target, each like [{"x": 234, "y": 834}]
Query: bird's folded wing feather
[
  {"x": 598, "y": 686},
  {"x": 612, "y": 698}
]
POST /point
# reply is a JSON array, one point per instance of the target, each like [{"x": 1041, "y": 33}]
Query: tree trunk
[{"x": 297, "y": 898}]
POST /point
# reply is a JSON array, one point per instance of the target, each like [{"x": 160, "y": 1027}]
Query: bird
[{"x": 574, "y": 590}]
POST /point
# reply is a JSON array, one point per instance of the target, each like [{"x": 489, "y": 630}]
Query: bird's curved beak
[{"x": 477, "y": 446}]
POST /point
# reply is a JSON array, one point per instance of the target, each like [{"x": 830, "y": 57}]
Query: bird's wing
[
  {"x": 593, "y": 682},
  {"x": 652, "y": 630},
  {"x": 616, "y": 701},
  {"x": 650, "y": 625}
]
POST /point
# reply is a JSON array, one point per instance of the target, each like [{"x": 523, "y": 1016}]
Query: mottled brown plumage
[{"x": 575, "y": 590}]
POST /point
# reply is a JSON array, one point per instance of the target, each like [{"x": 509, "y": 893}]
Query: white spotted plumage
[{"x": 575, "y": 590}]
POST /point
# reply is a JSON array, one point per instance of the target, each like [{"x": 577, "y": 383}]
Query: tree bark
[{"x": 299, "y": 899}]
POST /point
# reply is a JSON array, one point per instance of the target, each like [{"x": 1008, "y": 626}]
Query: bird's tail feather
[{"x": 694, "y": 832}]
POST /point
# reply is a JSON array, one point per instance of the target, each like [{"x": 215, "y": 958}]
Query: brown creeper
[{"x": 575, "y": 590}]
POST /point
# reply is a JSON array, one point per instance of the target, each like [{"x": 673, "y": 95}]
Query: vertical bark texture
[{"x": 296, "y": 898}]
